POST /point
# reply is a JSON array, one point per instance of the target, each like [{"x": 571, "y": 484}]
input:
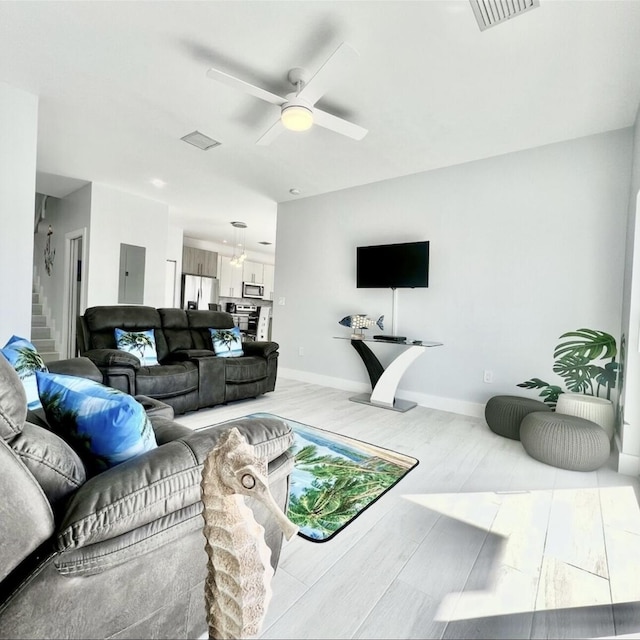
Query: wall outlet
[
  {"x": 300, "y": 351},
  {"x": 281, "y": 301},
  {"x": 488, "y": 376}
]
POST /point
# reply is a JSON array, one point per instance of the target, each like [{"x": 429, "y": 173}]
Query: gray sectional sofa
[
  {"x": 118, "y": 554},
  {"x": 190, "y": 376}
]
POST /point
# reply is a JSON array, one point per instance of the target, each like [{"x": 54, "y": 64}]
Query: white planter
[{"x": 598, "y": 410}]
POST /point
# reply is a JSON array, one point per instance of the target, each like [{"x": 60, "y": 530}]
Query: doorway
[
  {"x": 75, "y": 249},
  {"x": 170, "y": 283}
]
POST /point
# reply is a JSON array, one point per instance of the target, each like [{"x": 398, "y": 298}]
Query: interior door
[{"x": 75, "y": 293}]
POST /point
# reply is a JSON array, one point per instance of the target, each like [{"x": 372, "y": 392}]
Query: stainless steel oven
[{"x": 243, "y": 317}]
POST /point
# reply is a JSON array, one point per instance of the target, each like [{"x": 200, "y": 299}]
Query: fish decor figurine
[{"x": 360, "y": 321}]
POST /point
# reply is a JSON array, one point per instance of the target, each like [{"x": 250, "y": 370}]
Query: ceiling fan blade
[
  {"x": 346, "y": 128},
  {"x": 236, "y": 83},
  {"x": 335, "y": 65},
  {"x": 271, "y": 133}
]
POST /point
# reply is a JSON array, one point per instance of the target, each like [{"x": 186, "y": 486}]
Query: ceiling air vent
[
  {"x": 201, "y": 141},
  {"x": 489, "y": 13}
]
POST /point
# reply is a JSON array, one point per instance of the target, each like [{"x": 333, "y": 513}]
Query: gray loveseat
[
  {"x": 190, "y": 376},
  {"x": 119, "y": 554}
]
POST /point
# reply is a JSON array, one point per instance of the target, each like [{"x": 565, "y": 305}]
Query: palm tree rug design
[{"x": 335, "y": 478}]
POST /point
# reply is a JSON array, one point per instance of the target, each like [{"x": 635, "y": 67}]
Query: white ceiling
[{"x": 121, "y": 82}]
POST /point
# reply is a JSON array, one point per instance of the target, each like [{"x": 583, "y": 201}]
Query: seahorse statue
[{"x": 239, "y": 572}]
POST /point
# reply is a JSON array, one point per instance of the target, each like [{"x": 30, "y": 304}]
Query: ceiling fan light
[{"x": 296, "y": 118}]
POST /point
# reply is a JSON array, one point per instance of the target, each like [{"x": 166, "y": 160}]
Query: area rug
[{"x": 335, "y": 478}]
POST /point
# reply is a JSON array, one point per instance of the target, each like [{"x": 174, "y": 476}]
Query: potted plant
[{"x": 579, "y": 361}]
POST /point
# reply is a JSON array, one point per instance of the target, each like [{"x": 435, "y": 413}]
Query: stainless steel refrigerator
[{"x": 198, "y": 292}]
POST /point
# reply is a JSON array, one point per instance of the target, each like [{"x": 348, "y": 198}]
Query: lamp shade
[{"x": 297, "y": 118}]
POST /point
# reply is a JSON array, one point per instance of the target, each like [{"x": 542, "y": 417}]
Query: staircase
[{"x": 41, "y": 336}]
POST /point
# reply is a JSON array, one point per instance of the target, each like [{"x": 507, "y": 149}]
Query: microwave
[{"x": 252, "y": 290}]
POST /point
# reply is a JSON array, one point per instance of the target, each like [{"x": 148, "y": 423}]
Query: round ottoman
[
  {"x": 504, "y": 414},
  {"x": 567, "y": 442},
  {"x": 598, "y": 410}
]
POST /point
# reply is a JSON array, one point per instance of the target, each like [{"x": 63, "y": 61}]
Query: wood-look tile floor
[{"x": 478, "y": 541}]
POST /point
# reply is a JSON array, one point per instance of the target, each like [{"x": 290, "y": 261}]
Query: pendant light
[{"x": 238, "y": 241}]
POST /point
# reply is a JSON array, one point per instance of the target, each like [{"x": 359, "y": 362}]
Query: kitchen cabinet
[
  {"x": 268, "y": 271},
  {"x": 230, "y": 278},
  {"x": 252, "y": 272},
  {"x": 199, "y": 262}
]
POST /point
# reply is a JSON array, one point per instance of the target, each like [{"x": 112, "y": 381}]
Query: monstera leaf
[
  {"x": 587, "y": 343},
  {"x": 549, "y": 393},
  {"x": 606, "y": 376},
  {"x": 534, "y": 383},
  {"x": 574, "y": 363},
  {"x": 576, "y": 371}
]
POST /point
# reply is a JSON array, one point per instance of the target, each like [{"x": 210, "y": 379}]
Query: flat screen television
[{"x": 402, "y": 265}]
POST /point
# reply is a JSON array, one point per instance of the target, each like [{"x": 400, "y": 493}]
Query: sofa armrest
[
  {"x": 26, "y": 518},
  {"x": 81, "y": 367},
  {"x": 260, "y": 348},
  {"x": 156, "y": 484},
  {"x": 104, "y": 358},
  {"x": 181, "y": 355}
]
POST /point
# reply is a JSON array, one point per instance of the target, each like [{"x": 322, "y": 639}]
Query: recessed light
[
  {"x": 294, "y": 192},
  {"x": 159, "y": 184}
]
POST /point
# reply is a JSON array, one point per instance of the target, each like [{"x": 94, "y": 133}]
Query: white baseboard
[
  {"x": 452, "y": 405},
  {"x": 628, "y": 465}
]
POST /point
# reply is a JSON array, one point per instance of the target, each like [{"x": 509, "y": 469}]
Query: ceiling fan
[{"x": 297, "y": 110}]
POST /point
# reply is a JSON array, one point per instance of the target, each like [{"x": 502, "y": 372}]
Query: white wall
[
  {"x": 118, "y": 217},
  {"x": 629, "y": 459},
  {"x": 18, "y": 144},
  {"x": 174, "y": 252},
  {"x": 524, "y": 247}
]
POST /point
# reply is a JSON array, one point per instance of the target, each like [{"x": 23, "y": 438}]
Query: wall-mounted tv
[{"x": 403, "y": 265}]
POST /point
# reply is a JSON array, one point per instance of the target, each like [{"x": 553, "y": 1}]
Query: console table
[{"x": 384, "y": 382}]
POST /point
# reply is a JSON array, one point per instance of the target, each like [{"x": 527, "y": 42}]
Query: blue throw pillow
[
  {"x": 227, "y": 342},
  {"x": 26, "y": 360},
  {"x": 141, "y": 344},
  {"x": 105, "y": 426}
]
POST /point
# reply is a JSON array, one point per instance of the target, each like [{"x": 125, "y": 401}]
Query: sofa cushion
[
  {"x": 245, "y": 369},
  {"x": 201, "y": 320},
  {"x": 141, "y": 344},
  {"x": 99, "y": 324},
  {"x": 175, "y": 327},
  {"x": 26, "y": 360},
  {"x": 227, "y": 343},
  {"x": 107, "y": 318},
  {"x": 104, "y": 425},
  {"x": 13, "y": 401},
  {"x": 53, "y": 463}
]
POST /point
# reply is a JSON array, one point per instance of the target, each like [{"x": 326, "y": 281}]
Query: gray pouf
[
  {"x": 564, "y": 441},
  {"x": 505, "y": 413}
]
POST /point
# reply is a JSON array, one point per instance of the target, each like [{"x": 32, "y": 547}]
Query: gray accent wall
[
  {"x": 629, "y": 459},
  {"x": 524, "y": 247}
]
